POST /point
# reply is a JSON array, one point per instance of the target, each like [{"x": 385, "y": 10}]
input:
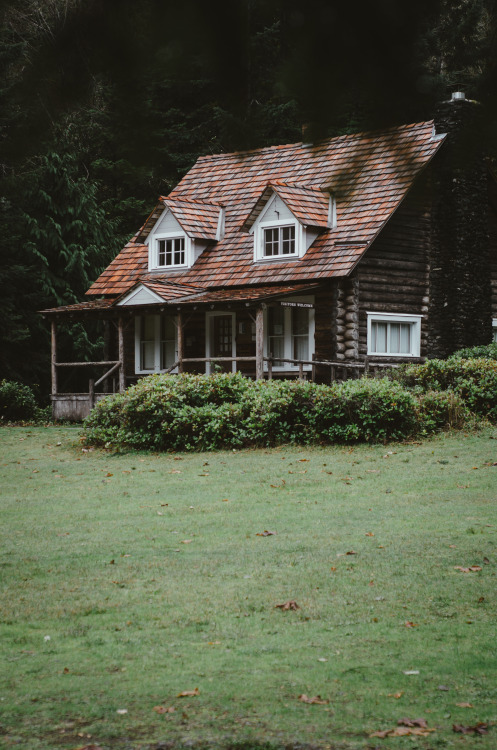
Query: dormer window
[
  {"x": 171, "y": 252},
  {"x": 287, "y": 219},
  {"x": 279, "y": 241}
]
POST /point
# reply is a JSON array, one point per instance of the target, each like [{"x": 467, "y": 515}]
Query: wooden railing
[{"x": 336, "y": 367}]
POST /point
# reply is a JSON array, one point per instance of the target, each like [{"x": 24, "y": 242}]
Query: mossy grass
[{"x": 129, "y": 578}]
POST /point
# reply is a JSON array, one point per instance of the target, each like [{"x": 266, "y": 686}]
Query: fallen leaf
[
  {"x": 413, "y": 723},
  {"x": 333, "y": 570},
  {"x": 278, "y": 486},
  {"x": 186, "y": 541},
  {"x": 287, "y": 605},
  {"x": 316, "y": 700},
  {"x": 464, "y": 705},
  {"x": 486, "y": 561},
  {"x": 351, "y": 552},
  {"x": 410, "y": 624},
  {"x": 443, "y": 687},
  {"x": 164, "y": 710},
  {"x": 266, "y": 533},
  {"x": 406, "y": 728},
  {"x": 480, "y": 728},
  {"x": 471, "y": 569},
  {"x": 109, "y": 474},
  {"x": 396, "y": 695},
  {"x": 225, "y": 500},
  {"x": 369, "y": 533},
  {"x": 188, "y": 693}
]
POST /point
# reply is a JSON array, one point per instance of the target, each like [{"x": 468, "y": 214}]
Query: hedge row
[{"x": 198, "y": 412}]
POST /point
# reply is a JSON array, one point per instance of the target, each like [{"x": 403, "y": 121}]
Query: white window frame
[
  {"x": 413, "y": 320},
  {"x": 494, "y": 330},
  {"x": 153, "y": 251},
  {"x": 259, "y": 243},
  {"x": 157, "y": 345},
  {"x": 288, "y": 335}
]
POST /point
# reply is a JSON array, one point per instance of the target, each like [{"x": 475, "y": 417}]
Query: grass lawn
[{"x": 128, "y": 579}]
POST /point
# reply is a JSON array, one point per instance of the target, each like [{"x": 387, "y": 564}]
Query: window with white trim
[
  {"x": 171, "y": 250},
  {"x": 279, "y": 241},
  {"x": 394, "y": 335},
  {"x": 289, "y": 333},
  {"x": 155, "y": 343},
  {"x": 494, "y": 330}
]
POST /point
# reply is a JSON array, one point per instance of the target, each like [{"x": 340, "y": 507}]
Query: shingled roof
[{"x": 369, "y": 174}]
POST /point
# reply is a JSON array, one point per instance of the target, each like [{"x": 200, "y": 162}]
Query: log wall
[{"x": 392, "y": 277}]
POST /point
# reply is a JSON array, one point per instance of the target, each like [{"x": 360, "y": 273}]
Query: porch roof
[{"x": 189, "y": 298}]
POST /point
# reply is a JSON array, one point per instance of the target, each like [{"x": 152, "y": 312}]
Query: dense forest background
[{"x": 105, "y": 104}]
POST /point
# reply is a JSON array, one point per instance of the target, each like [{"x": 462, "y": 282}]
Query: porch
[{"x": 282, "y": 333}]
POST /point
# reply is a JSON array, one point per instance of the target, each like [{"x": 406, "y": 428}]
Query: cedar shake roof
[
  {"x": 368, "y": 173},
  {"x": 199, "y": 220},
  {"x": 310, "y": 205}
]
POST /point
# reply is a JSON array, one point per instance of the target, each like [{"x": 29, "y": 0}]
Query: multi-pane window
[
  {"x": 290, "y": 335},
  {"x": 171, "y": 252},
  {"x": 494, "y": 330},
  {"x": 395, "y": 335},
  {"x": 155, "y": 343},
  {"x": 300, "y": 333},
  {"x": 279, "y": 241}
]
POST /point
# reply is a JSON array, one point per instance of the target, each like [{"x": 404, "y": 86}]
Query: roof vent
[{"x": 458, "y": 95}]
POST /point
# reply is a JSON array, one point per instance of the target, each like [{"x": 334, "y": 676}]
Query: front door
[{"x": 221, "y": 343}]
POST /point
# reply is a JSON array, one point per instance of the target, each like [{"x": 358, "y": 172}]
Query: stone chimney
[{"x": 459, "y": 270}]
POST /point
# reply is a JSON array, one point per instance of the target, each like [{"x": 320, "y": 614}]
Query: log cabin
[{"x": 315, "y": 260}]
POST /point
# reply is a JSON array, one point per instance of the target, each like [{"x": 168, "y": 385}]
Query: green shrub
[
  {"x": 198, "y": 412},
  {"x": 17, "y": 402},
  {"x": 487, "y": 351},
  {"x": 474, "y": 380},
  {"x": 439, "y": 409},
  {"x": 364, "y": 409}
]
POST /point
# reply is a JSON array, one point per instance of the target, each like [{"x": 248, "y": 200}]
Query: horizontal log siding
[{"x": 393, "y": 275}]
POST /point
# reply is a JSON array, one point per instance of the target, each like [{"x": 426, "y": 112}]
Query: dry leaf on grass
[
  {"x": 369, "y": 533},
  {"x": 316, "y": 700},
  {"x": 471, "y": 569},
  {"x": 480, "y": 728},
  {"x": 405, "y": 728},
  {"x": 164, "y": 709},
  {"x": 188, "y": 693},
  {"x": 410, "y": 624},
  {"x": 287, "y": 605},
  {"x": 351, "y": 552},
  {"x": 464, "y": 705},
  {"x": 421, "y": 723},
  {"x": 186, "y": 541},
  {"x": 396, "y": 695},
  {"x": 266, "y": 533}
]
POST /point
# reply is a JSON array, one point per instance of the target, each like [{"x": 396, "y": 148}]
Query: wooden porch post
[
  {"x": 181, "y": 345},
  {"x": 120, "y": 332},
  {"x": 106, "y": 351},
  {"x": 259, "y": 343},
  {"x": 53, "y": 327}
]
